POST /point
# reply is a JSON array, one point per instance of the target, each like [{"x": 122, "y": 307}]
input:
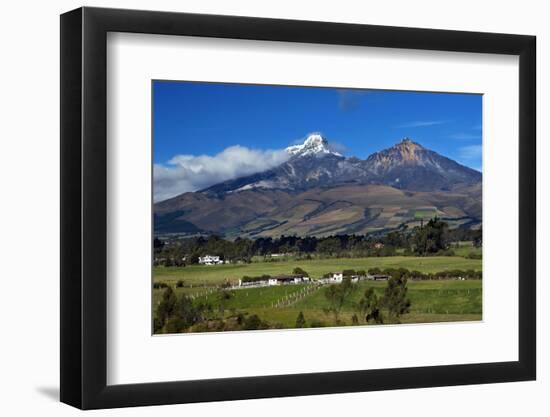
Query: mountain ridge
[
  {"x": 318, "y": 191},
  {"x": 406, "y": 165}
]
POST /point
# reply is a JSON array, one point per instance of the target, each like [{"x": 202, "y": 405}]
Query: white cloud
[
  {"x": 185, "y": 173},
  {"x": 422, "y": 123},
  {"x": 470, "y": 151}
]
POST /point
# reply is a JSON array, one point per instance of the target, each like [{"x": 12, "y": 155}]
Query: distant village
[
  {"x": 265, "y": 280},
  {"x": 331, "y": 278}
]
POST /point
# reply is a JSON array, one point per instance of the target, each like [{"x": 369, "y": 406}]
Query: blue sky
[{"x": 206, "y": 119}]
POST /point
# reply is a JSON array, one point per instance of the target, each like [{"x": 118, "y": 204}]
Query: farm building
[
  {"x": 287, "y": 279},
  {"x": 278, "y": 280},
  {"x": 253, "y": 282},
  {"x": 210, "y": 260},
  {"x": 332, "y": 278}
]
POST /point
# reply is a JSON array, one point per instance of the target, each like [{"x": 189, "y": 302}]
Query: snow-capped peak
[{"x": 315, "y": 144}]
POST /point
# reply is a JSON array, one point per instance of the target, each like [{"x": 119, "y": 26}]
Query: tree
[
  {"x": 300, "y": 271},
  {"x": 369, "y": 307},
  {"x": 431, "y": 238},
  {"x": 300, "y": 321},
  {"x": 166, "y": 306},
  {"x": 187, "y": 312},
  {"x": 223, "y": 297},
  {"x": 395, "y": 297},
  {"x": 194, "y": 258},
  {"x": 337, "y": 295}
]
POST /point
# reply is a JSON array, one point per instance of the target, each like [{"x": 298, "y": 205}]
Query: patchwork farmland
[{"x": 430, "y": 300}]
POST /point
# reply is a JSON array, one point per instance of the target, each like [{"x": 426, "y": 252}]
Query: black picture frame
[{"x": 84, "y": 207}]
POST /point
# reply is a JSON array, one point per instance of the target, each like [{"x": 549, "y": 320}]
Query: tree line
[{"x": 432, "y": 239}]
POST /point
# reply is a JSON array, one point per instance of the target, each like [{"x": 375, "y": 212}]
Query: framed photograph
[{"x": 259, "y": 208}]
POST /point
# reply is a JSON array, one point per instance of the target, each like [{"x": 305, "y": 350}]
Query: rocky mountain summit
[{"x": 406, "y": 165}]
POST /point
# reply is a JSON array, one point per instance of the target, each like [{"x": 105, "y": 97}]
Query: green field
[
  {"x": 431, "y": 301},
  {"x": 217, "y": 274},
  {"x": 423, "y": 214}
]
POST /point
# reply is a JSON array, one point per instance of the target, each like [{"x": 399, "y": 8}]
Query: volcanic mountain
[{"x": 319, "y": 192}]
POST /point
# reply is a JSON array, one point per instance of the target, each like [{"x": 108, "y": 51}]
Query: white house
[
  {"x": 210, "y": 260},
  {"x": 336, "y": 277}
]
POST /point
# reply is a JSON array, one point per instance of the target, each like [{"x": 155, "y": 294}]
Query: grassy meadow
[
  {"x": 217, "y": 274},
  {"x": 431, "y": 301}
]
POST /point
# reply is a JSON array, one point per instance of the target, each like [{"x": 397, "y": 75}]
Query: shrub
[{"x": 254, "y": 322}]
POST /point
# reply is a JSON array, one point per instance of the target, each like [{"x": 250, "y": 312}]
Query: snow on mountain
[
  {"x": 317, "y": 192},
  {"x": 315, "y": 144},
  {"x": 406, "y": 165}
]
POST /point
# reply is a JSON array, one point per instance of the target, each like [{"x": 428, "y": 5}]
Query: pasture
[
  {"x": 209, "y": 275},
  {"x": 431, "y": 301}
]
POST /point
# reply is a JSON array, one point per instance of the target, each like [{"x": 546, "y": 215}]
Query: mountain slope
[
  {"x": 319, "y": 192},
  {"x": 406, "y": 165}
]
